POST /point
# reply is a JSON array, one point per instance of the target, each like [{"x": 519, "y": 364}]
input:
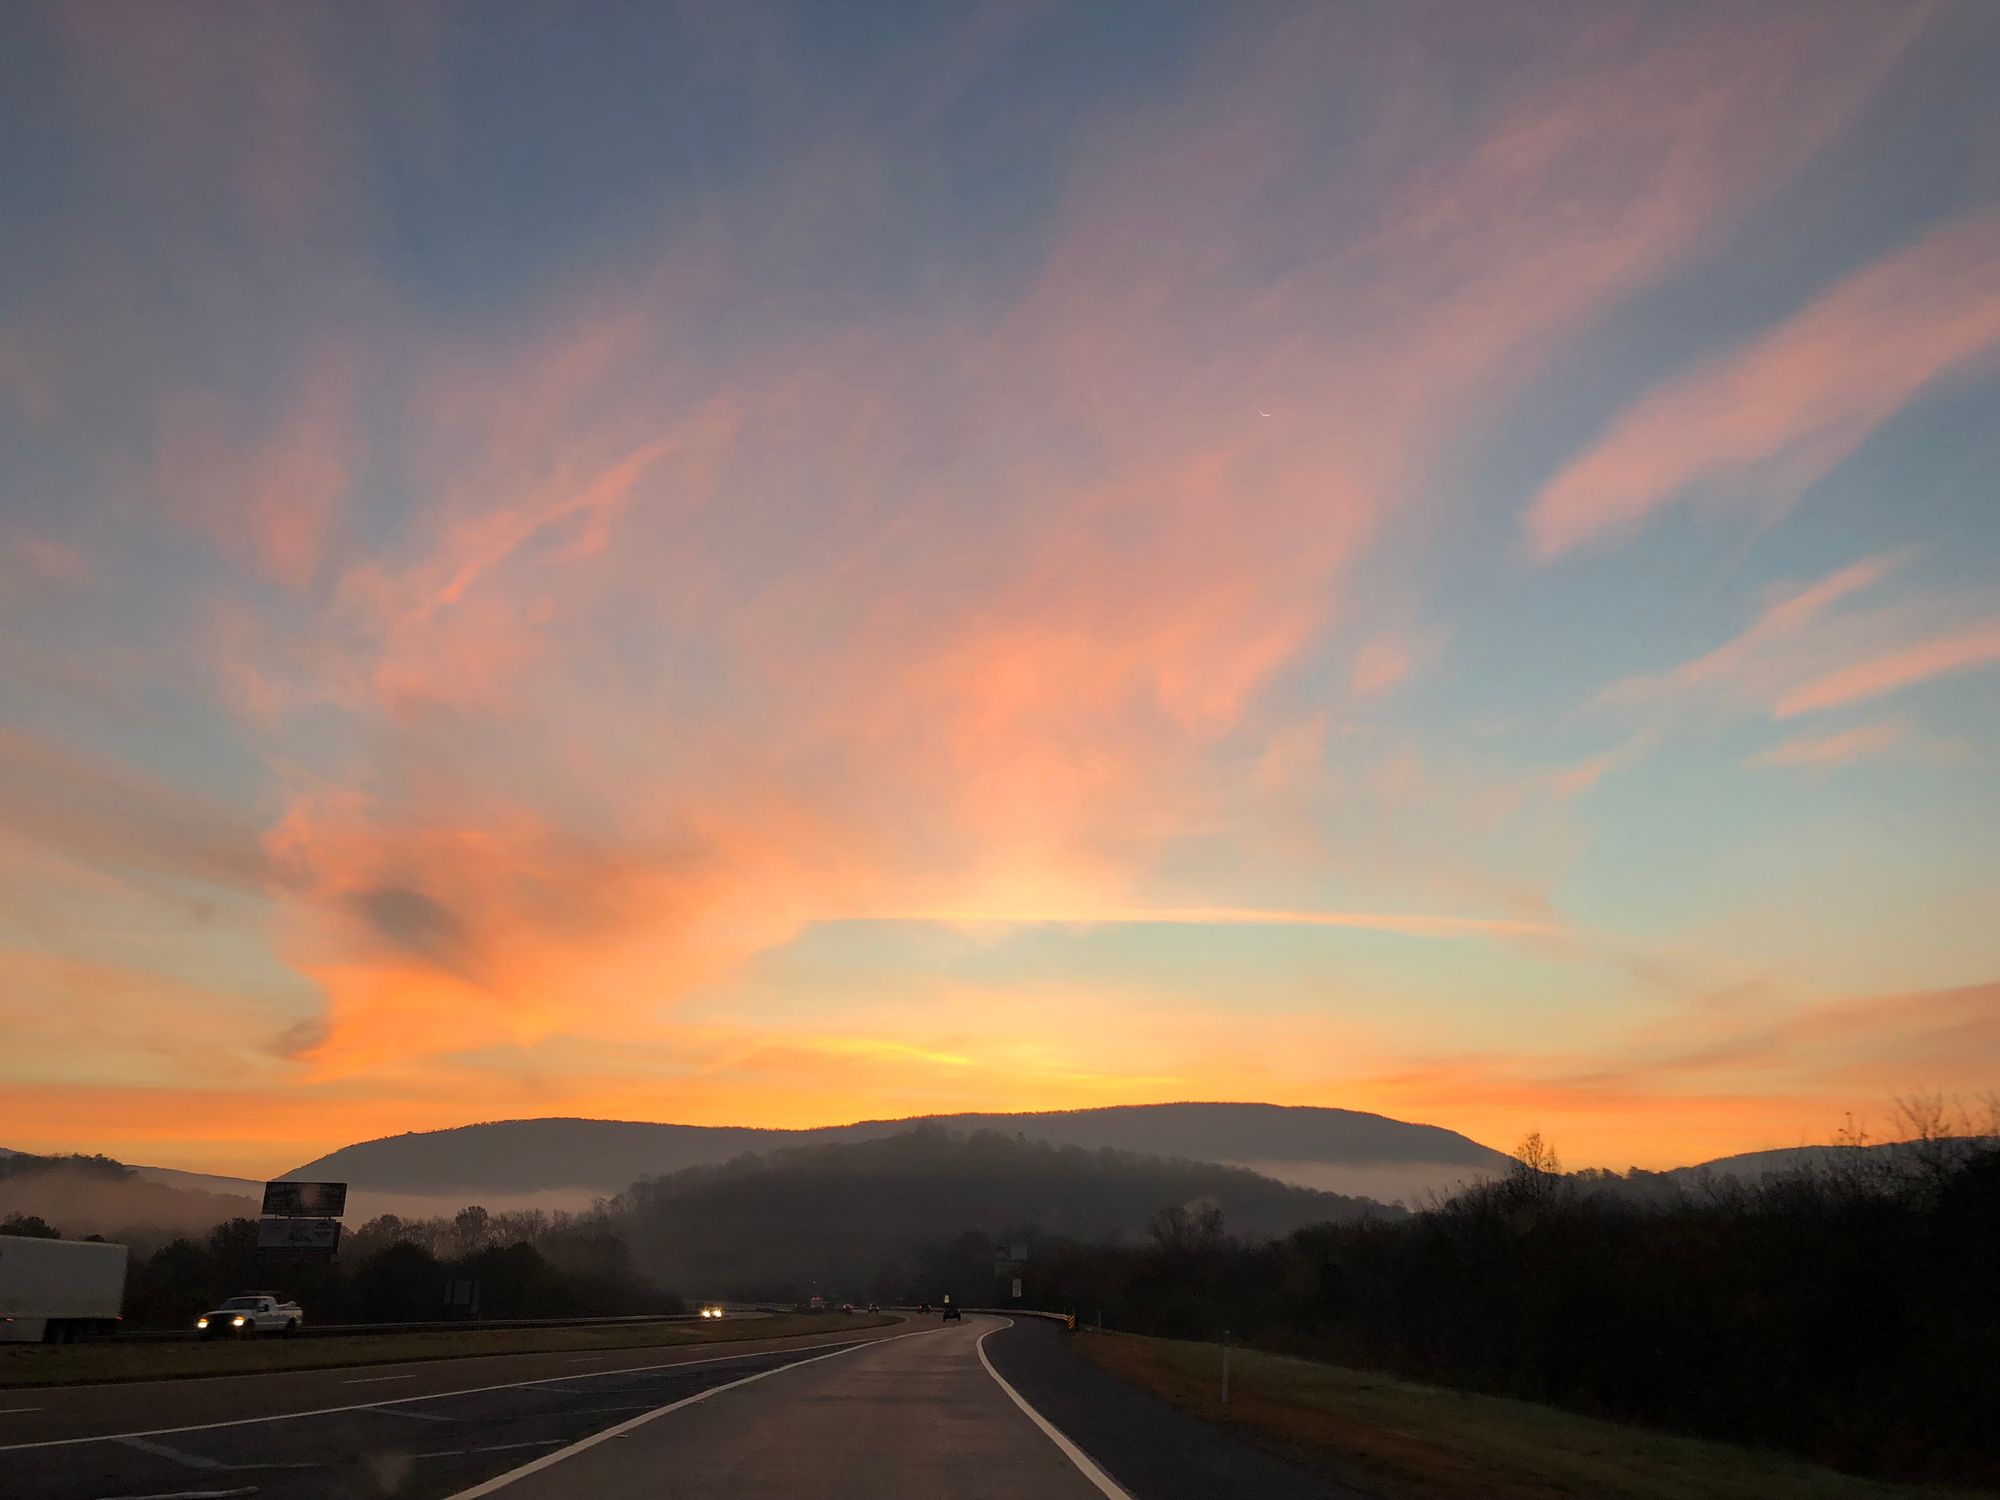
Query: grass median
[
  {"x": 1420, "y": 1442},
  {"x": 93, "y": 1364}
]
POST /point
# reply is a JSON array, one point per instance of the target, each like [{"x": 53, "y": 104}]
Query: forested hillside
[{"x": 832, "y": 1216}]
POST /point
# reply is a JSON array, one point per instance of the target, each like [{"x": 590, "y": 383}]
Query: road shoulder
[
  {"x": 1154, "y": 1449},
  {"x": 1420, "y": 1440}
]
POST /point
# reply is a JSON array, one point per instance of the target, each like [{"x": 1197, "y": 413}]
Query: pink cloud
[
  {"x": 1379, "y": 666},
  {"x": 1787, "y": 408},
  {"x": 271, "y": 498},
  {"x": 1842, "y": 749},
  {"x": 1784, "y": 617},
  {"x": 692, "y": 640},
  {"x": 54, "y": 560},
  {"x": 1942, "y": 656},
  {"x": 99, "y": 816}
]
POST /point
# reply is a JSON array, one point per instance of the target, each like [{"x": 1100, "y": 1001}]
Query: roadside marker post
[{"x": 1225, "y": 1367}]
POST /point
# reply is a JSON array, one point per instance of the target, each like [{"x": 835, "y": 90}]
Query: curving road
[{"x": 978, "y": 1410}]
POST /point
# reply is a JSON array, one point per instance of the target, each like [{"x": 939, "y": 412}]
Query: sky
[{"x": 776, "y": 565}]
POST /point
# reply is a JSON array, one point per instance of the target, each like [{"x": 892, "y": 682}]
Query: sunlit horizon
[{"x": 790, "y": 565}]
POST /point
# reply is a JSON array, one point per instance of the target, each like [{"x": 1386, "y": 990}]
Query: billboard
[
  {"x": 305, "y": 1200},
  {"x": 301, "y": 1236}
]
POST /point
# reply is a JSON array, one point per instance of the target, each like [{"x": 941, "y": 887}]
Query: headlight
[
  {"x": 201, "y": 1322},
  {"x": 236, "y": 1322}
]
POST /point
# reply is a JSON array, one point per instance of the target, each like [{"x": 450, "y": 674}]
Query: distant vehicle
[
  {"x": 249, "y": 1315},
  {"x": 711, "y": 1310},
  {"x": 951, "y": 1313},
  {"x": 874, "y": 1307},
  {"x": 59, "y": 1291},
  {"x": 816, "y": 1304},
  {"x": 924, "y": 1308},
  {"x": 847, "y": 1307}
]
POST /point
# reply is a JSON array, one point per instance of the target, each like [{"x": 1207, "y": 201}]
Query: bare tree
[{"x": 1537, "y": 1157}]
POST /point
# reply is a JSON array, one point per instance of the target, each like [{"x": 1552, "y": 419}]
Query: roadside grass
[
  {"x": 95, "y": 1364},
  {"x": 1420, "y": 1442}
]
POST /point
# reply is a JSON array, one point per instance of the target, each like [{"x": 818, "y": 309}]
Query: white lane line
[
  {"x": 602, "y": 1411},
  {"x": 190, "y": 1494},
  {"x": 497, "y": 1448},
  {"x": 475, "y": 1390},
  {"x": 549, "y": 1460},
  {"x": 379, "y": 1379},
  {"x": 161, "y": 1450},
  {"x": 1106, "y": 1485},
  {"x": 385, "y": 1409},
  {"x": 8, "y": 1411}
]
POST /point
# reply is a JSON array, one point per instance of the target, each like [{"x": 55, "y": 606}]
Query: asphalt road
[{"x": 915, "y": 1410}]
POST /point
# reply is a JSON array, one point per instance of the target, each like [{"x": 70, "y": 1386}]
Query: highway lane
[
  {"x": 922, "y": 1418},
  {"x": 32, "y": 1413},
  {"x": 976, "y": 1410}
]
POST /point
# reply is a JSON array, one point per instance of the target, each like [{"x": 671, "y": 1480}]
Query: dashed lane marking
[
  {"x": 549, "y": 1460},
  {"x": 477, "y": 1390},
  {"x": 177, "y": 1455},
  {"x": 497, "y": 1448},
  {"x": 408, "y": 1416}
]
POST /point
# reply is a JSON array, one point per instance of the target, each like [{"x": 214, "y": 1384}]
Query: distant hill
[
  {"x": 834, "y": 1216},
  {"x": 148, "y": 1205},
  {"x": 1755, "y": 1166},
  {"x": 95, "y": 1195},
  {"x": 1328, "y": 1149},
  {"x": 202, "y": 1182}
]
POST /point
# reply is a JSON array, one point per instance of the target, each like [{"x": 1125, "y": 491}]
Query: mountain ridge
[{"x": 1309, "y": 1146}]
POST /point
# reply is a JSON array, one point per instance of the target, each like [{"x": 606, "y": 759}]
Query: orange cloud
[
  {"x": 706, "y": 626},
  {"x": 1733, "y": 1072},
  {"x": 1963, "y": 651},
  {"x": 1406, "y": 924},
  {"x": 1785, "y": 410}
]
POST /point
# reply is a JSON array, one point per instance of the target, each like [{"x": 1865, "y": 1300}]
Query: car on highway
[
  {"x": 951, "y": 1313},
  {"x": 249, "y": 1315},
  {"x": 711, "y": 1309}
]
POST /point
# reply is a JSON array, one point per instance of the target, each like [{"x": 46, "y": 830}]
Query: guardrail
[
  {"x": 1068, "y": 1320},
  {"x": 450, "y": 1325}
]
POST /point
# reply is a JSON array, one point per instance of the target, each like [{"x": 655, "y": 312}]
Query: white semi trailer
[{"x": 59, "y": 1291}]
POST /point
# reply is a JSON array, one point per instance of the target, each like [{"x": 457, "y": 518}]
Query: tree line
[
  {"x": 824, "y": 1218},
  {"x": 1849, "y": 1314},
  {"x": 392, "y": 1270}
]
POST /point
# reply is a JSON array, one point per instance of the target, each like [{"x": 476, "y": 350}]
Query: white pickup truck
[{"x": 250, "y": 1314}]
